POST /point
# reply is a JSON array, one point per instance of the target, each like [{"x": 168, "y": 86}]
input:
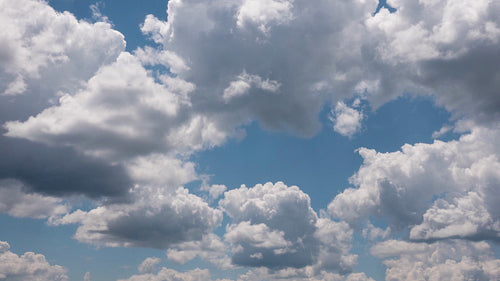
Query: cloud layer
[{"x": 121, "y": 128}]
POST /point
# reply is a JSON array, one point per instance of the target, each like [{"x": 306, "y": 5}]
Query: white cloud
[
  {"x": 299, "y": 275},
  {"x": 156, "y": 218},
  {"x": 274, "y": 226},
  {"x": 245, "y": 82},
  {"x": 214, "y": 190},
  {"x": 148, "y": 265},
  {"x": 451, "y": 260},
  {"x": 166, "y": 274},
  {"x": 29, "y": 266},
  {"x": 210, "y": 248},
  {"x": 108, "y": 118},
  {"x": 161, "y": 170},
  {"x": 86, "y": 277},
  {"x": 16, "y": 202},
  {"x": 50, "y": 46},
  {"x": 346, "y": 120},
  {"x": 439, "y": 190},
  {"x": 261, "y": 13}
]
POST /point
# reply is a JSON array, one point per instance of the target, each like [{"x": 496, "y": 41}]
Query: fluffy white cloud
[
  {"x": 446, "y": 48},
  {"x": 29, "y": 266},
  {"x": 451, "y": 260},
  {"x": 15, "y": 202},
  {"x": 440, "y": 190},
  {"x": 274, "y": 226},
  {"x": 148, "y": 265},
  {"x": 166, "y": 274},
  {"x": 245, "y": 82},
  {"x": 46, "y": 51},
  {"x": 292, "y": 274},
  {"x": 156, "y": 218},
  {"x": 214, "y": 190},
  {"x": 210, "y": 248},
  {"x": 260, "y": 47},
  {"x": 109, "y": 117},
  {"x": 262, "y": 12},
  {"x": 346, "y": 120}
]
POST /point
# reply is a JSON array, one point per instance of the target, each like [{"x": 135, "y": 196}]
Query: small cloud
[
  {"x": 443, "y": 131},
  {"x": 346, "y": 120},
  {"x": 148, "y": 265}
]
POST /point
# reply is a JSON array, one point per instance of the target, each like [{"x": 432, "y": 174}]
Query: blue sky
[{"x": 249, "y": 140}]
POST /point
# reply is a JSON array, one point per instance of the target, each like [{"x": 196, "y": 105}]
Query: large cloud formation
[
  {"x": 274, "y": 226},
  {"x": 440, "y": 190},
  {"x": 103, "y": 122}
]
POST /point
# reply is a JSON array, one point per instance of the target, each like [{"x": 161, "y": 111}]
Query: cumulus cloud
[
  {"x": 444, "y": 48},
  {"x": 156, "y": 219},
  {"x": 148, "y": 265},
  {"x": 214, "y": 190},
  {"x": 29, "y": 266},
  {"x": 261, "y": 13},
  {"x": 346, "y": 120},
  {"x": 40, "y": 168},
  {"x": 245, "y": 82},
  {"x": 291, "y": 274},
  {"x": 274, "y": 226},
  {"x": 44, "y": 53},
  {"x": 260, "y": 47},
  {"x": 439, "y": 190},
  {"x": 166, "y": 274},
  {"x": 450, "y": 260},
  {"x": 51, "y": 46},
  {"x": 210, "y": 248},
  {"x": 15, "y": 202}
]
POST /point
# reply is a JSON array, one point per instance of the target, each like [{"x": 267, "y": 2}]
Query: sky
[{"x": 249, "y": 140}]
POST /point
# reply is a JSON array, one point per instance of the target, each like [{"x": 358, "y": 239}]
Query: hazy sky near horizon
[{"x": 249, "y": 140}]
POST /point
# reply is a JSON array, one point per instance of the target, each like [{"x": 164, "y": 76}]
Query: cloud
[
  {"x": 245, "y": 82},
  {"x": 274, "y": 226},
  {"x": 156, "y": 219},
  {"x": 444, "y": 48},
  {"x": 260, "y": 47},
  {"x": 451, "y": 260},
  {"x": 44, "y": 53},
  {"x": 166, "y": 274},
  {"x": 346, "y": 120},
  {"x": 210, "y": 248},
  {"x": 148, "y": 265},
  {"x": 15, "y": 202},
  {"x": 262, "y": 12},
  {"x": 292, "y": 274},
  {"x": 48, "y": 46},
  {"x": 214, "y": 190},
  {"x": 439, "y": 190},
  {"x": 29, "y": 266},
  {"x": 42, "y": 170}
]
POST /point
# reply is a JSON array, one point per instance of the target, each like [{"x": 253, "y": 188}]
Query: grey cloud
[
  {"x": 60, "y": 171},
  {"x": 274, "y": 226},
  {"x": 440, "y": 190},
  {"x": 156, "y": 218},
  {"x": 15, "y": 202}
]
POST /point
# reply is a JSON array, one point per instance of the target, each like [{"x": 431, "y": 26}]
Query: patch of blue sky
[{"x": 322, "y": 165}]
